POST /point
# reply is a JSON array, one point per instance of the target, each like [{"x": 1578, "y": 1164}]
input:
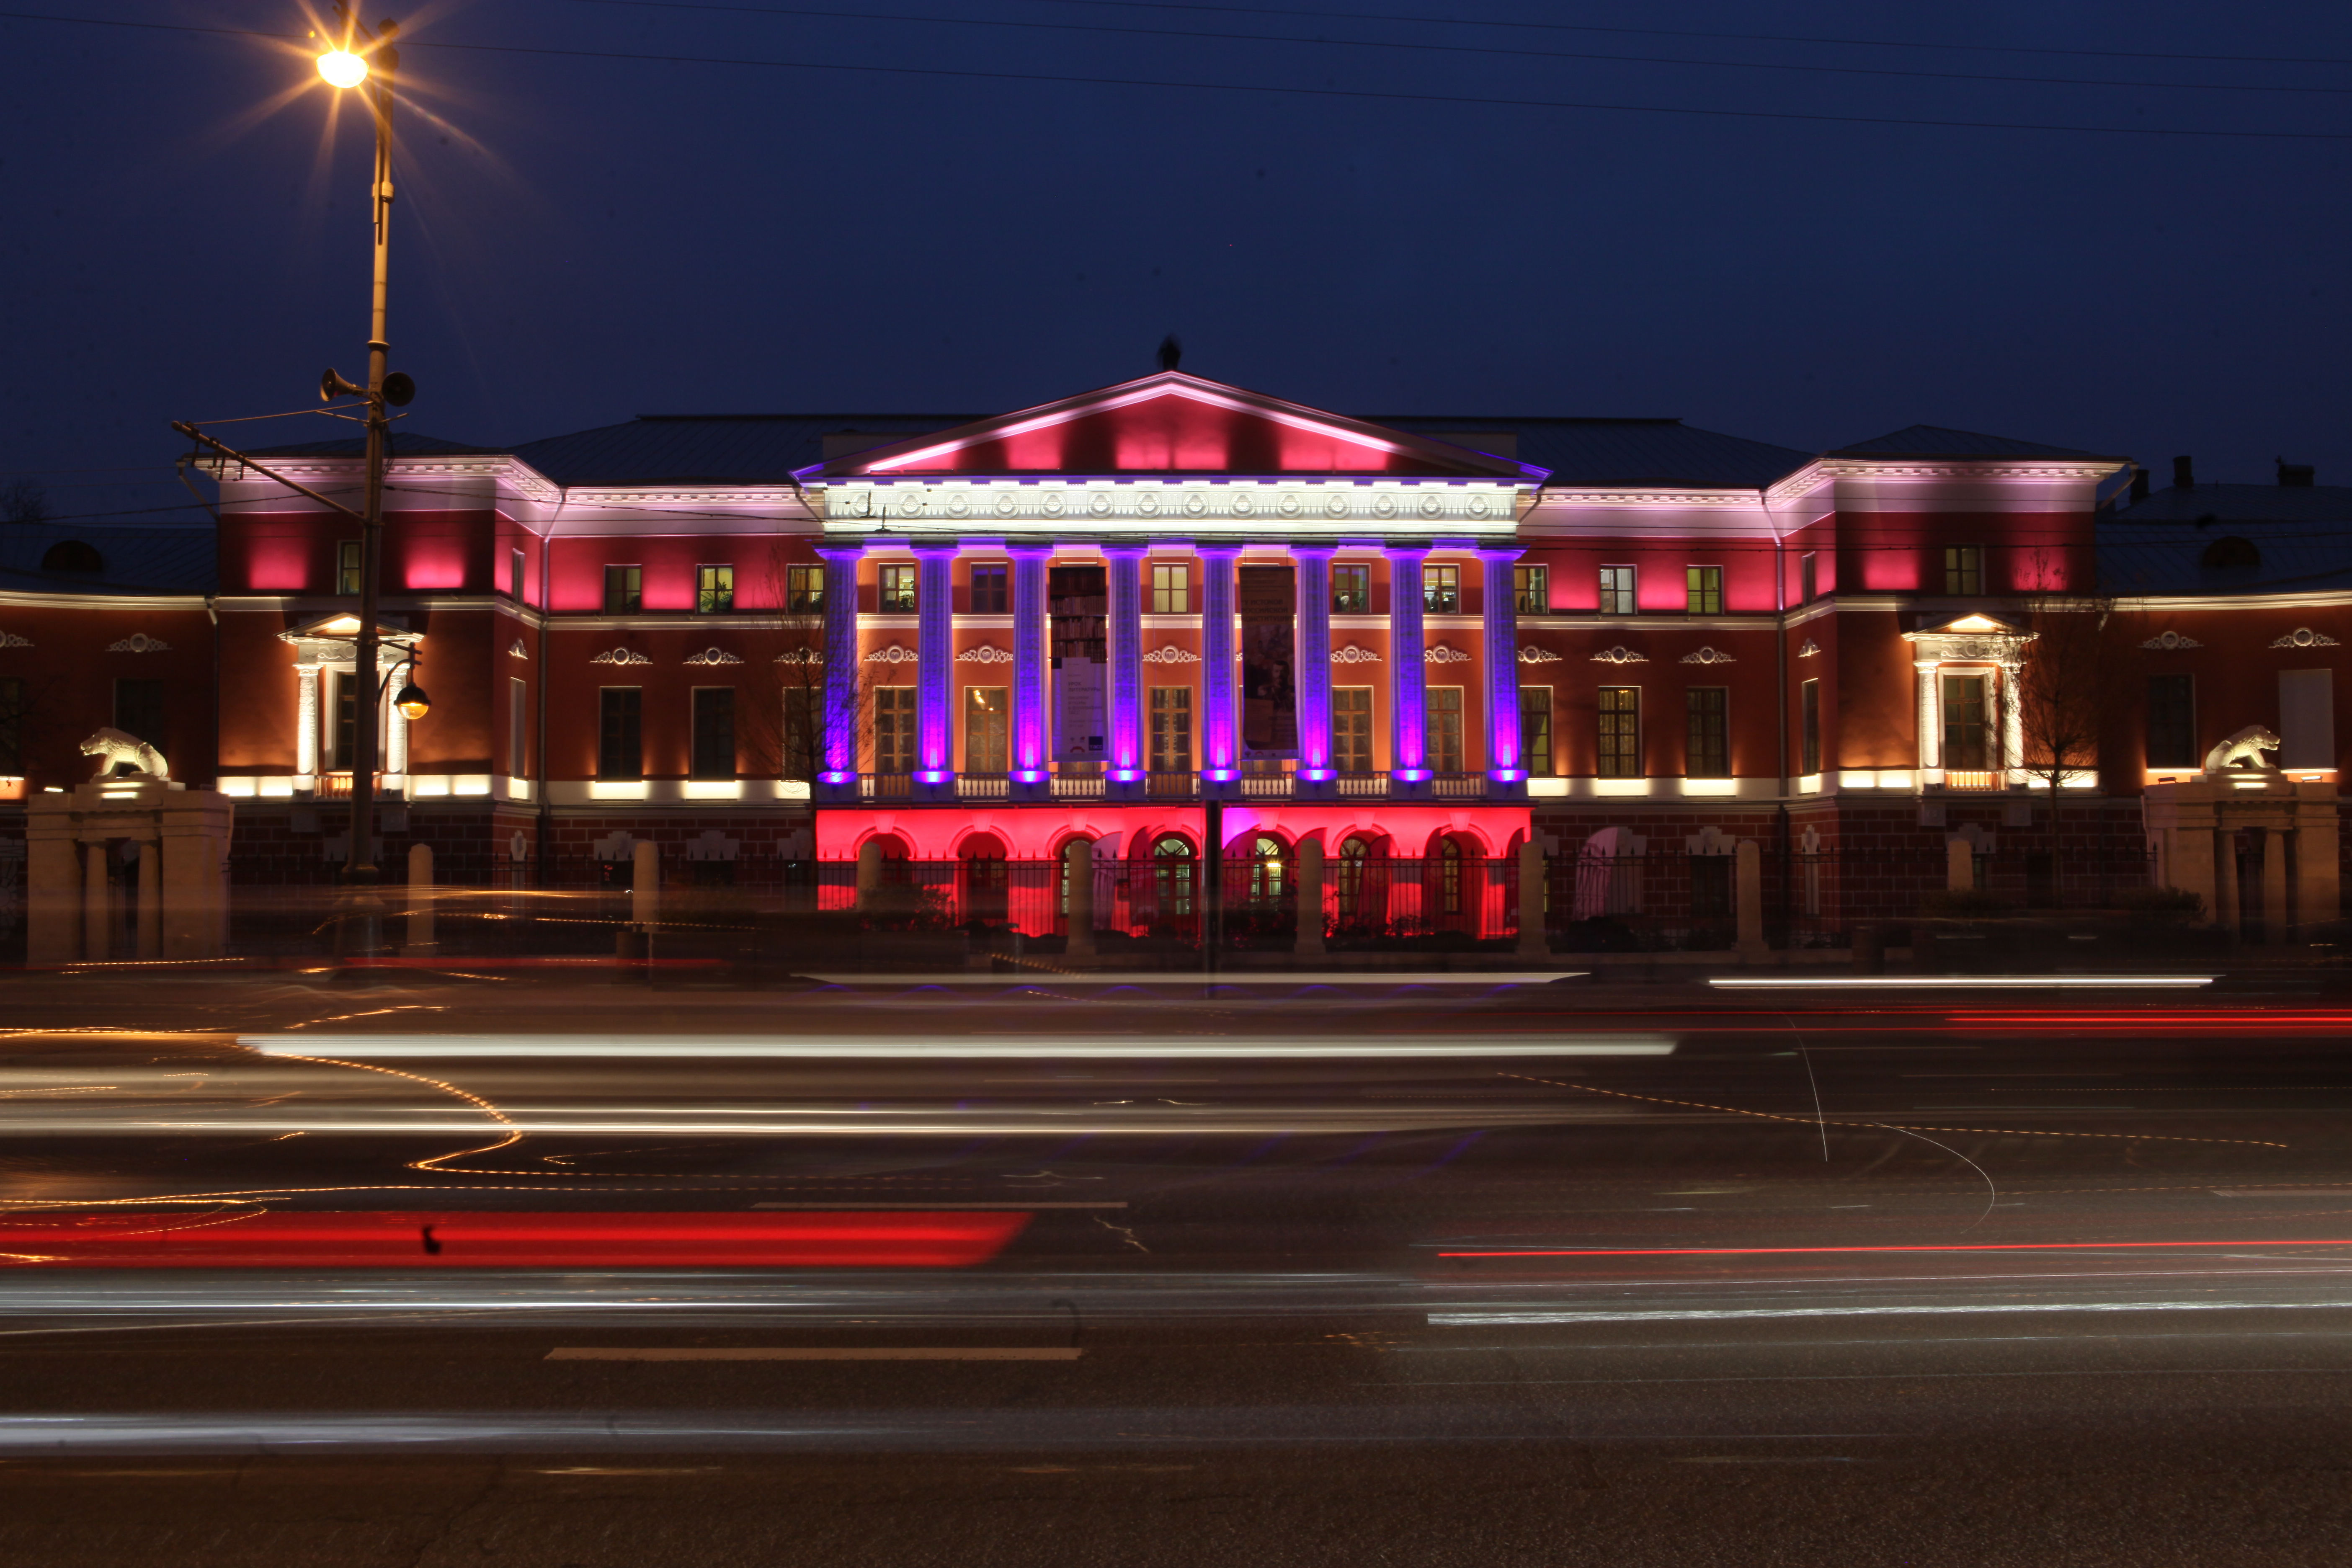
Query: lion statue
[
  {"x": 2247, "y": 746},
  {"x": 113, "y": 749}
]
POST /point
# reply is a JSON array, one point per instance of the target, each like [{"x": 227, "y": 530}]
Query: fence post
[
  {"x": 1960, "y": 864},
  {"x": 1535, "y": 941},
  {"x": 869, "y": 877},
  {"x": 645, "y": 882},
  {"x": 420, "y": 898},
  {"x": 1311, "y": 898},
  {"x": 1748, "y": 900},
  {"x": 1078, "y": 868}
]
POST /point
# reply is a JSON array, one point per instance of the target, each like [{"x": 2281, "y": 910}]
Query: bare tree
[
  {"x": 2067, "y": 681},
  {"x": 783, "y": 731},
  {"x": 23, "y": 501}
]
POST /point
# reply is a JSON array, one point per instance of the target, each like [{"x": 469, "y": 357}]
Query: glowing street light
[{"x": 342, "y": 68}]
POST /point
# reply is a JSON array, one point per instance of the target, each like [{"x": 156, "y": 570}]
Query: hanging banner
[{"x": 1269, "y": 663}]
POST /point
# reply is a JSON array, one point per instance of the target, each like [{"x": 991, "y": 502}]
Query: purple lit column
[
  {"x": 1314, "y": 579},
  {"x": 1220, "y": 729},
  {"x": 1507, "y": 765},
  {"x": 935, "y": 665},
  {"x": 841, "y": 669},
  {"x": 1030, "y": 746},
  {"x": 1126, "y": 571},
  {"x": 1408, "y": 677}
]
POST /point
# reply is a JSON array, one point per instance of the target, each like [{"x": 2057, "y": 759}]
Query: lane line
[{"x": 1961, "y": 981}]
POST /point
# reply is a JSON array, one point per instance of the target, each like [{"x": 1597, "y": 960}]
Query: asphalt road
[{"x": 1929, "y": 1279}]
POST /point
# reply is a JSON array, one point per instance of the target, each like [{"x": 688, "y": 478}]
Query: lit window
[
  {"x": 1171, "y": 590},
  {"x": 1352, "y": 590},
  {"x": 1531, "y": 589},
  {"x": 804, "y": 590},
  {"x": 1702, "y": 588},
  {"x": 347, "y": 566},
  {"x": 1620, "y": 754},
  {"x": 1963, "y": 569},
  {"x": 897, "y": 591},
  {"x": 1441, "y": 590},
  {"x": 714, "y": 590},
  {"x": 1617, "y": 592},
  {"x": 1709, "y": 743},
  {"x": 625, "y": 590}
]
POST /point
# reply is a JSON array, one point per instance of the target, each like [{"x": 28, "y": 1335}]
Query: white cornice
[
  {"x": 18, "y": 599},
  {"x": 1217, "y": 507},
  {"x": 2312, "y": 600}
]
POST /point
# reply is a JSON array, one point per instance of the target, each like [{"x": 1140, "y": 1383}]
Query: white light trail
[
  {"x": 1164, "y": 977},
  {"x": 843, "y": 1048},
  {"x": 1502, "y": 1319}
]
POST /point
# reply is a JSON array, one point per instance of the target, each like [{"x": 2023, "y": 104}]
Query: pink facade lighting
[
  {"x": 1313, "y": 563},
  {"x": 1220, "y": 732},
  {"x": 1408, "y": 681}
]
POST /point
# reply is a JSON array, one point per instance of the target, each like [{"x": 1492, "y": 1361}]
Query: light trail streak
[
  {"x": 1903, "y": 1310},
  {"x": 1953, "y": 1247},
  {"x": 1960, "y": 981},
  {"x": 357, "y": 1050},
  {"x": 1065, "y": 979}
]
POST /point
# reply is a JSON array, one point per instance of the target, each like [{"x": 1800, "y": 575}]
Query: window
[
  {"x": 1535, "y": 730},
  {"x": 714, "y": 733},
  {"x": 1449, "y": 877},
  {"x": 1353, "y": 855},
  {"x": 1171, "y": 590},
  {"x": 894, "y": 730},
  {"x": 625, "y": 590},
  {"x": 342, "y": 720},
  {"x": 2172, "y": 721},
  {"x": 1172, "y": 875},
  {"x": 1965, "y": 732},
  {"x": 1703, "y": 589},
  {"x": 12, "y": 726},
  {"x": 1620, "y": 733},
  {"x": 1265, "y": 870},
  {"x": 1444, "y": 735},
  {"x": 986, "y": 711},
  {"x": 139, "y": 710},
  {"x": 1617, "y": 592},
  {"x": 714, "y": 590},
  {"x": 990, "y": 592},
  {"x": 1809, "y": 703},
  {"x": 1171, "y": 729},
  {"x": 1531, "y": 589},
  {"x": 347, "y": 566},
  {"x": 1351, "y": 729},
  {"x": 803, "y": 741},
  {"x": 897, "y": 591},
  {"x": 620, "y": 753},
  {"x": 1964, "y": 569},
  {"x": 804, "y": 590},
  {"x": 515, "y": 575},
  {"x": 1709, "y": 752},
  {"x": 1441, "y": 590},
  {"x": 1809, "y": 583},
  {"x": 1352, "y": 590},
  {"x": 518, "y": 728}
]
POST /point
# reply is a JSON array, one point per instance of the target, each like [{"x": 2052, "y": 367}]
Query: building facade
[{"x": 955, "y": 639}]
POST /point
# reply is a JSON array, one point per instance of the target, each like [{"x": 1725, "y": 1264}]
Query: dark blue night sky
[{"x": 582, "y": 240}]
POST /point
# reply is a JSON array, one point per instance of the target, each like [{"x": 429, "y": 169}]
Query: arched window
[
  {"x": 1353, "y": 853},
  {"x": 72, "y": 555},
  {"x": 1449, "y": 877},
  {"x": 1265, "y": 870},
  {"x": 1172, "y": 875},
  {"x": 984, "y": 876}
]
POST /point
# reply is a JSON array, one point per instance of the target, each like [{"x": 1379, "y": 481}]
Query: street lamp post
[{"x": 372, "y": 73}]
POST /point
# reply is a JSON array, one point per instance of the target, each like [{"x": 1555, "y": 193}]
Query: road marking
[
  {"x": 1961, "y": 981},
  {"x": 1194, "y": 977},
  {"x": 807, "y": 1352}
]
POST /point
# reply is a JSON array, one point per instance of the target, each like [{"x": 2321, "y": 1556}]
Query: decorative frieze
[
  {"x": 1530, "y": 653},
  {"x": 1621, "y": 654},
  {"x": 2170, "y": 640},
  {"x": 2303, "y": 637},
  {"x": 897, "y": 653},
  {"x": 711, "y": 656},
  {"x": 1441, "y": 654},
  {"x": 1810, "y": 651},
  {"x": 139, "y": 642},
  {"x": 986, "y": 654},
  {"x": 1172, "y": 654},
  {"x": 1353, "y": 654},
  {"x": 1708, "y": 656},
  {"x": 10, "y": 640},
  {"x": 517, "y": 650},
  {"x": 621, "y": 656}
]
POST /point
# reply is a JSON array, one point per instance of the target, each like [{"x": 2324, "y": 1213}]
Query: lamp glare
[
  {"x": 413, "y": 703},
  {"x": 342, "y": 68}
]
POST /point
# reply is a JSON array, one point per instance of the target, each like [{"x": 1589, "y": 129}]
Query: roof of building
[
  {"x": 1937, "y": 441},
  {"x": 399, "y": 444},
  {"x": 716, "y": 448},
  {"x": 169, "y": 559},
  {"x": 1605, "y": 451},
  {"x": 2230, "y": 539}
]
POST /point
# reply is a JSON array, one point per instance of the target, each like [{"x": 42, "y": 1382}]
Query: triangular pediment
[
  {"x": 1171, "y": 423},
  {"x": 344, "y": 626}
]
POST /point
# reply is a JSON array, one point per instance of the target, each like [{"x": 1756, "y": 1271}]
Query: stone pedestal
[
  {"x": 2192, "y": 829},
  {"x": 173, "y": 900}
]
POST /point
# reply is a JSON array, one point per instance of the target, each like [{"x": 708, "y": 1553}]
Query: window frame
[
  {"x": 996, "y": 578},
  {"x": 898, "y": 580},
  {"x": 1531, "y": 589},
  {"x": 1617, "y": 747},
  {"x": 631, "y": 715},
  {"x": 1963, "y": 571},
  {"x": 1447, "y": 702},
  {"x": 1809, "y": 728},
  {"x": 517, "y": 727},
  {"x": 1809, "y": 580},
  {"x": 987, "y": 731},
  {"x": 1702, "y": 590},
  {"x": 804, "y": 590},
  {"x": 1706, "y": 734},
  {"x": 1621, "y": 590},
  {"x": 1351, "y": 588},
  {"x": 700, "y": 763},
  {"x": 625, "y": 589},
  {"x": 901, "y": 708},
  {"x": 2190, "y": 754},
  {"x": 1169, "y": 715},
  {"x": 1536, "y": 751},
  {"x": 351, "y": 568},
  {"x": 1171, "y": 588},
  {"x": 1346, "y": 757},
  {"x": 517, "y": 575},
  {"x": 714, "y": 588},
  {"x": 1441, "y": 588}
]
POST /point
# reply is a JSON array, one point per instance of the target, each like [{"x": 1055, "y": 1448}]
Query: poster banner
[{"x": 1269, "y": 663}]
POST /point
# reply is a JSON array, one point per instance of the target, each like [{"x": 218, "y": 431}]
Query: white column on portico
[
  {"x": 1124, "y": 565},
  {"x": 2013, "y": 724},
  {"x": 840, "y": 720},
  {"x": 306, "y": 734},
  {"x": 934, "y": 653},
  {"x": 1931, "y": 736},
  {"x": 1032, "y": 747},
  {"x": 1499, "y": 621}
]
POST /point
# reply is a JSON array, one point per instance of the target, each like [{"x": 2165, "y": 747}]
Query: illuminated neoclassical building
[{"x": 795, "y": 637}]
